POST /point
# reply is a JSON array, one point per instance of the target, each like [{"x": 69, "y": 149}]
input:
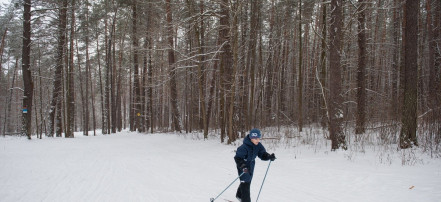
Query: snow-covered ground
[{"x": 129, "y": 166}]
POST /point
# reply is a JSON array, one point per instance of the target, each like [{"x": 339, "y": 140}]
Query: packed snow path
[{"x": 169, "y": 167}]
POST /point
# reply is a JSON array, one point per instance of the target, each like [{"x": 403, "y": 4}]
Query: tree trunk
[
  {"x": 212, "y": 92},
  {"x": 408, "y": 137},
  {"x": 7, "y": 123},
  {"x": 227, "y": 78},
  {"x": 362, "y": 54},
  {"x": 150, "y": 73},
  {"x": 255, "y": 9},
  {"x": 433, "y": 32},
  {"x": 268, "y": 85},
  {"x": 70, "y": 95},
  {"x": 2, "y": 47},
  {"x": 232, "y": 134},
  {"x": 86, "y": 100},
  {"x": 143, "y": 127},
  {"x": 109, "y": 97},
  {"x": 26, "y": 71},
  {"x": 324, "y": 120},
  {"x": 93, "y": 99},
  {"x": 205, "y": 121},
  {"x": 82, "y": 89},
  {"x": 136, "y": 80},
  {"x": 150, "y": 89},
  {"x": 300, "y": 84},
  {"x": 335, "y": 89},
  {"x": 201, "y": 74},
  {"x": 437, "y": 68},
  {"x": 103, "y": 119},
  {"x": 113, "y": 79},
  {"x": 105, "y": 92},
  {"x": 58, "y": 76},
  {"x": 395, "y": 61},
  {"x": 172, "y": 70},
  {"x": 119, "y": 84},
  {"x": 43, "y": 122},
  {"x": 242, "y": 71}
]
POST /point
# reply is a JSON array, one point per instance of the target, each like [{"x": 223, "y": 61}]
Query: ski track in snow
[{"x": 130, "y": 166}]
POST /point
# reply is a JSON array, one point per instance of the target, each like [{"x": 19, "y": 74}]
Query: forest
[{"x": 353, "y": 68}]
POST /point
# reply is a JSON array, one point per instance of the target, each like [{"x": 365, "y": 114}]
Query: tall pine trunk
[
  {"x": 434, "y": 29},
  {"x": 251, "y": 60},
  {"x": 324, "y": 117},
  {"x": 395, "y": 61},
  {"x": 136, "y": 80},
  {"x": 226, "y": 81},
  {"x": 103, "y": 125},
  {"x": 172, "y": 70},
  {"x": 26, "y": 71},
  {"x": 2, "y": 48},
  {"x": 269, "y": 68},
  {"x": 335, "y": 89},
  {"x": 150, "y": 72},
  {"x": 143, "y": 126},
  {"x": 58, "y": 76},
  {"x": 300, "y": 84},
  {"x": 86, "y": 100},
  {"x": 232, "y": 134},
  {"x": 104, "y": 92},
  {"x": 201, "y": 74},
  {"x": 205, "y": 119},
  {"x": 7, "y": 123},
  {"x": 109, "y": 80},
  {"x": 119, "y": 84},
  {"x": 408, "y": 136},
  {"x": 70, "y": 95},
  {"x": 362, "y": 54},
  {"x": 113, "y": 78}
]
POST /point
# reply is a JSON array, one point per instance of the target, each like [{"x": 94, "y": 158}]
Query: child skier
[{"x": 245, "y": 161}]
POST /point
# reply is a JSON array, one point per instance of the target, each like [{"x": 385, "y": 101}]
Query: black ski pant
[{"x": 243, "y": 192}]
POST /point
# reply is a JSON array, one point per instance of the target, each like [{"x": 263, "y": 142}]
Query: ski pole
[
  {"x": 212, "y": 199},
  {"x": 263, "y": 181}
]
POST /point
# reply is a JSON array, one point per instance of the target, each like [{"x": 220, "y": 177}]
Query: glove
[
  {"x": 272, "y": 157},
  {"x": 244, "y": 168}
]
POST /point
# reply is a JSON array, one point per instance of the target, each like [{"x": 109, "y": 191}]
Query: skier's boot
[
  {"x": 239, "y": 193},
  {"x": 245, "y": 192}
]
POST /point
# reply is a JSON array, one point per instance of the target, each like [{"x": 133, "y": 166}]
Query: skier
[{"x": 245, "y": 161}]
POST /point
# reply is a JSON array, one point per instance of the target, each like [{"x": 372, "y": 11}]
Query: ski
[{"x": 212, "y": 200}]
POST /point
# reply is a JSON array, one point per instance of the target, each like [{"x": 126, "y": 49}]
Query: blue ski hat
[{"x": 255, "y": 133}]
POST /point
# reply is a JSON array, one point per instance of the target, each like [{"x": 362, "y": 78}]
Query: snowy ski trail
[{"x": 129, "y": 166}]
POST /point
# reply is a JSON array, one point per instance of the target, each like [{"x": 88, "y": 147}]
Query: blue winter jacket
[{"x": 246, "y": 155}]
